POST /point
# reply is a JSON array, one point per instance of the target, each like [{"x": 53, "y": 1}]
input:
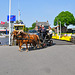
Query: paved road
[
  {"x": 53, "y": 60},
  {"x": 4, "y": 41},
  {"x": 61, "y": 42}
]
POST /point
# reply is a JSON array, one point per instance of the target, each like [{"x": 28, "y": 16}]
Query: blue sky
[{"x": 32, "y": 10}]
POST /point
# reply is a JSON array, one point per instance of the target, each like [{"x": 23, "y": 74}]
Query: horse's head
[
  {"x": 22, "y": 33},
  {"x": 14, "y": 34}
]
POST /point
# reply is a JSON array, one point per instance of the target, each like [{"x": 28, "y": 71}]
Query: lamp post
[
  {"x": 60, "y": 28},
  {"x": 57, "y": 28},
  {"x": 9, "y": 21},
  {"x": 19, "y": 15}
]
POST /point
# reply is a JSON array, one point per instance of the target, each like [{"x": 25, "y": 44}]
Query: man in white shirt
[{"x": 50, "y": 32}]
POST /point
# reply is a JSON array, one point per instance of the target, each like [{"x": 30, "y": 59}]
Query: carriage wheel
[{"x": 51, "y": 42}]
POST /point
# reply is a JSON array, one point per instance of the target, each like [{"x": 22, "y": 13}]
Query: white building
[{"x": 3, "y": 28}]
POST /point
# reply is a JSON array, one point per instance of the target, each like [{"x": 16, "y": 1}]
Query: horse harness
[{"x": 22, "y": 38}]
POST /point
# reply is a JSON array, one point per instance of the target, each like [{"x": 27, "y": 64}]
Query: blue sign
[{"x": 12, "y": 18}]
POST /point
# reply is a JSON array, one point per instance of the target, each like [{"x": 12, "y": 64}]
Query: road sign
[{"x": 12, "y": 18}]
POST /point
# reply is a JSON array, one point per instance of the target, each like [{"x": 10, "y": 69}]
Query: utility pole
[
  {"x": 60, "y": 28},
  {"x": 57, "y": 28},
  {"x": 19, "y": 15},
  {"x": 9, "y": 22}
]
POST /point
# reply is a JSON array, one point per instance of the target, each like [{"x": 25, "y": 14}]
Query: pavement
[
  {"x": 53, "y": 60},
  {"x": 62, "y": 42}
]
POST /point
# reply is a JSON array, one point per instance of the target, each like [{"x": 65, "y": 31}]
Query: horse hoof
[
  {"x": 26, "y": 50},
  {"x": 40, "y": 46},
  {"x": 22, "y": 47},
  {"x": 20, "y": 50}
]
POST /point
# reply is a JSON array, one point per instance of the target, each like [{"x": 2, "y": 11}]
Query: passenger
[
  {"x": 43, "y": 31},
  {"x": 40, "y": 30},
  {"x": 50, "y": 32}
]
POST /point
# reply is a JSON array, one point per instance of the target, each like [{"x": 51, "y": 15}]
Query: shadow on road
[{"x": 32, "y": 48}]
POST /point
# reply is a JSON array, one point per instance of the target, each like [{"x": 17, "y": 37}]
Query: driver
[
  {"x": 40, "y": 30},
  {"x": 43, "y": 31}
]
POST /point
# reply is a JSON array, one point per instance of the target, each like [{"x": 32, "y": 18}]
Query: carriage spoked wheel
[{"x": 51, "y": 42}]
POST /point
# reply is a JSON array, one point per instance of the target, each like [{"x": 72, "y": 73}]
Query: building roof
[
  {"x": 42, "y": 23},
  {"x": 4, "y": 25}
]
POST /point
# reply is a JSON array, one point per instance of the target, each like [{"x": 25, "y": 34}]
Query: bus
[{"x": 18, "y": 27}]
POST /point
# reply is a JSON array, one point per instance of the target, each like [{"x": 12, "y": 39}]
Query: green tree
[
  {"x": 17, "y": 22},
  {"x": 66, "y": 18},
  {"x": 74, "y": 21},
  {"x": 30, "y": 28},
  {"x": 20, "y": 21},
  {"x": 33, "y": 26},
  {"x": 26, "y": 29},
  {"x": 52, "y": 29}
]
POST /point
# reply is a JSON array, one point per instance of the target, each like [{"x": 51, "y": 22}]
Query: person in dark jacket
[
  {"x": 43, "y": 31},
  {"x": 40, "y": 30}
]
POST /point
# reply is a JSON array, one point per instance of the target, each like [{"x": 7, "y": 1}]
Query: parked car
[{"x": 33, "y": 32}]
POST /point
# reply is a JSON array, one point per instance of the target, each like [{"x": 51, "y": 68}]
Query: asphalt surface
[
  {"x": 4, "y": 41},
  {"x": 62, "y": 42},
  {"x": 53, "y": 60}
]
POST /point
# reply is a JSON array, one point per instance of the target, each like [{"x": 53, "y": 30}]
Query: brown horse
[
  {"x": 14, "y": 35},
  {"x": 28, "y": 39}
]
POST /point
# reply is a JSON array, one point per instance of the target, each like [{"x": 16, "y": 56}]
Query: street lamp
[
  {"x": 60, "y": 28},
  {"x": 9, "y": 21},
  {"x": 57, "y": 28}
]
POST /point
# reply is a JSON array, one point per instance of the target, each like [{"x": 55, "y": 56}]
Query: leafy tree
[
  {"x": 74, "y": 21},
  {"x": 20, "y": 21},
  {"x": 33, "y": 26},
  {"x": 66, "y": 18},
  {"x": 17, "y": 22},
  {"x": 26, "y": 29},
  {"x": 53, "y": 30},
  {"x": 30, "y": 28}
]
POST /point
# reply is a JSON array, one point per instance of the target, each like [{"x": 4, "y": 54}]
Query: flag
[{"x": 2, "y": 22}]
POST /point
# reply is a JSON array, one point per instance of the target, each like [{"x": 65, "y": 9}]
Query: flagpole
[
  {"x": 60, "y": 28},
  {"x": 57, "y": 27},
  {"x": 9, "y": 21},
  {"x": 19, "y": 16}
]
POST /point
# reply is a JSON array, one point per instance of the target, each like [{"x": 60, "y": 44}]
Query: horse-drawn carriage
[
  {"x": 46, "y": 39},
  {"x": 35, "y": 40}
]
